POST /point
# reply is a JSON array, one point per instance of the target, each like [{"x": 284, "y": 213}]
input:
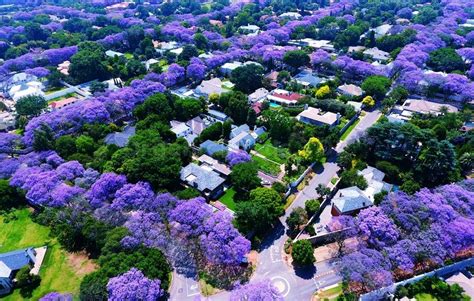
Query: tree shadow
[
  {"x": 276, "y": 232},
  {"x": 305, "y": 272}
]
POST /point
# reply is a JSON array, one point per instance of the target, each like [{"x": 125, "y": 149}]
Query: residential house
[
  {"x": 249, "y": 29},
  {"x": 469, "y": 23},
  {"x": 209, "y": 87},
  {"x": 291, "y": 16},
  {"x": 377, "y": 54},
  {"x": 419, "y": 106},
  {"x": 180, "y": 129},
  {"x": 272, "y": 77},
  {"x": 259, "y": 95},
  {"x": 162, "y": 47},
  {"x": 112, "y": 54},
  {"x": 354, "y": 49},
  {"x": 317, "y": 44},
  {"x": 197, "y": 125},
  {"x": 257, "y": 132},
  {"x": 227, "y": 68},
  {"x": 210, "y": 147},
  {"x": 350, "y": 90},
  {"x": 64, "y": 67},
  {"x": 203, "y": 178},
  {"x": 11, "y": 263},
  {"x": 120, "y": 138},
  {"x": 150, "y": 62},
  {"x": 351, "y": 200},
  {"x": 217, "y": 23},
  {"x": 306, "y": 78},
  {"x": 382, "y": 30},
  {"x": 217, "y": 115},
  {"x": 244, "y": 141},
  {"x": 244, "y": 128},
  {"x": 56, "y": 105},
  {"x": 7, "y": 121},
  {"x": 26, "y": 89},
  {"x": 284, "y": 97},
  {"x": 257, "y": 107},
  {"x": 183, "y": 92},
  {"x": 315, "y": 116},
  {"x": 222, "y": 169}
]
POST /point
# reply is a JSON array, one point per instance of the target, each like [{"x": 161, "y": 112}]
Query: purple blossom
[
  {"x": 134, "y": 286},
  {"x": 376, "y": 228},
  {"x": 188, "y": 217},
  {"x": 63, "y": 194},
  {"x": 103, "y": 190},
  {"x": 234, "y": 158},
  {"x": 133, "y": 197},
  {"x": 70, "y": 170},
  {"x": 38, "y": 71},
  {"x": 255, "y": 291},
  {"x": 196, "y": 72},
  {"x": 55, "y": 296}
]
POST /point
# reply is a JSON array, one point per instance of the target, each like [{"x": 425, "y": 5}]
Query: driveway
[{"x": 366, "y": 122}]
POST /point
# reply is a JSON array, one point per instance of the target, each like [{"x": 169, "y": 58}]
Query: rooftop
[
  {"x": 212, "y": 147},
  {"x": 15, "y": 260},
  {"x": 350, "y": 89},
  {"x": 202, "y": 178},
  {"x": 317, "y": 115},
  {"x": 426, "y": 107}
]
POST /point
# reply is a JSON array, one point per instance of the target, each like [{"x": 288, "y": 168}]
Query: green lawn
[
  {"x": 266, "y": 166},
  {"x": 271, "y": 152},
  {"x": 349, "y": 129},
  {"x": 425, "y": 297},
  {"x": 228, "y": 199},
  {"x": 330, "y": 294},
  {"x": 57, "y": 271}
]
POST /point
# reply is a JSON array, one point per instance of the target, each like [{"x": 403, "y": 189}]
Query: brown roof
[{"x": 64, "y": 102}]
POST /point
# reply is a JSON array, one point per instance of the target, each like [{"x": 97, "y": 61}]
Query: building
[
  {"x": 350, "y": 90},
  {"x": 382, "y": 30},
  {"x": 11, "y": 263},
  {"x": 112, "y": 54},
  {"x": 222, "y": 169},
  {"x": 259, "y": 95},
  {"x": 209, "y": 87},
  {"x": 351, "y": 200},
  {"x": 210, "y": 147},
  {"x": 227, "y": 68},
  {"x": 120, "y": 138},
  {"x": 419, "y": 106},
  {"x": 465, "y": 280},
  {"x": 180, "y": 129},
  {"x": 197, "y": 125},
  {"x": 291, "y": 16},
  {"x": 203, "y": 178},
  {"x": 166, "y": 46},
  {"x": 244, "y": 141},
  {"x": 64, "y": 67},
  {"x": 377, "y": 54},
  {"x": 26, "y": 89},
  {"x": 284, "y": 97},
  {"x": 315, "y": 116},
  {"x": 7, "y": 121},
  {"x": 249, "y": 29},
  {"x": 306, "y": 78},
  {"x": 56, "y": 105},
  {"x": 217, "y": 115},
  {"x": 244, "y": 128},
  {"x": 317, "y": 44},
  {"x": 150, "y": 62},
  {"x": 273, "y": 78}
]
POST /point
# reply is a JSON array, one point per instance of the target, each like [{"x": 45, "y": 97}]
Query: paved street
[{"x": 299, "y": 284}]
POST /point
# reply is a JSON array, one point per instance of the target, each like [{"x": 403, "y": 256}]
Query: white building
[
  {"x": 291, "y": 16},
  {"x": 377, "y": 54},
  {"x": 26, "y": 89},
  {"x": 259, "y": 95}
]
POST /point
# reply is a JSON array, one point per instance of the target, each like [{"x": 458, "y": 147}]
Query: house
[
  {"x": 350, "y": 90},
  {"x": 382, "y": 30},
  {"x": 419, "y": 106},
  {"x": 120, "y": 138},
  {"x": 465, "y": 280},
  {"x": 166, "y": 46},
  {"x": 227, "y": 68},
  {"x": 112, "y": 54},
  {"x": 306, "y": 78},
  {"x": 317, "y": 44},
  {"x": 217, "y": 23},
  {"x": 291, "y": 16},
  {"x": 272, "y": 77},
  {"x": 243, "y": 141},
  {"x": 197, "y": 125},
  {"x": 150, "y": 62},
  {"x": 180, "y": 129},
  {"x": 56, "y": 105},
  {"x": 468, "y": 24},
  {"x": 257, "y": 107},
  {"x": 257, "y": 132},
  {"x": 377, "y": 54},
  {"x": 284, "y": 97},
  {"x": 259, "y": 95},
  {"x": 183, "y": 92},
  {"x": 315, "y": 116},
  {"x": 249, "y": 29},
  {"x": 26, "y": 89},
  {"x": 64, "y": 67},
  {"x": 208, "y": 87},
  {"x": 7, "y": 121},
  {"x": 210, "y": 147},
  {"x": 354, "y": 49},
  {"x": 356, "y": 105},
  {"x": 351, "y": 200},
  {"x": 222, "y": 169},
  {"x": 217, "y": 115},
  {"x": 238, "y": 130},
  {"x": 204, "y": 179},
  {"x": 11, "y": 263}
]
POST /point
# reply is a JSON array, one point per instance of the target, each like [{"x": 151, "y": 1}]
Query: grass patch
[
  {"x": 73, "y": 94},
  {"x": 271, "y": 152},
  {"x": 266, "y": 166},
  {"x": 228, "y": 199},
  {"x": 54, "y": 89},
  {"x": 128, "y": 55},
  {"x": 349, "y": 129},
  {"x": 334, "y": 181},
  {"x": 57, "y": 273},
  {"x": 289, "y": 200},
  {"x": 331, "y": 293},
  {"x": 425, "y": 297}
]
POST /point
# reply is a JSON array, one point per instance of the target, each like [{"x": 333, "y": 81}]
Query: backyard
[
  {"x": 273, "y": 153},
  {"x": 61, "y": 271},
  {"x": 267, "y": 166},
  {"x": 228, "y": 199}
]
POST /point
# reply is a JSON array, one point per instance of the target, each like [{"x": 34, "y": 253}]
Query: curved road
[{"x": 293, "y": 284}]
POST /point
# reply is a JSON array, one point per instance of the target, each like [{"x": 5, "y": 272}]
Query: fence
[
  {"x": 59, "y": 93},
  {"x": 348, "y": 124},
  {"x": 441, "y": 272}
]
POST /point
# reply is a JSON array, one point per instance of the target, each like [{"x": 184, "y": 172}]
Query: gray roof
[
  {"x": 212, "y": 147},
  {"x": 244, "y": 128},
  {"x": 200, "y": 177},
  {"x": 307, "y": 77},
  {"x": 120, "y": 138},
  {"x": 197, "y": 125},
  {"x": 217, "y": 114},
  {"x": 350, "y": 199},
  {"x": 15, "y": 260}
]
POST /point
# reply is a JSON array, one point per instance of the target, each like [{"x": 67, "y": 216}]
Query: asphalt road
[{"x": 294, "y": 284}]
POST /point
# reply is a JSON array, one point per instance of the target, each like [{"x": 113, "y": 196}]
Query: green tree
[
  {"x": 297, "y": 218},
  {"x": 426, "y": 15},
  {"x": 438, "y": 160},
  {"x": 10, "y": 197},
  {"x": 97, "y": 86},
  {"x": 244, "y": 177},
  {"x": 445, "y": 59},
  {"x": 260, "y": 212},
  {"x": 85, "y": 145},
  {"x": 187, "y": 108},
  {"x": 31, "y": 105},
  {"x": 376, "y": 86},
  {"x": 296, "y": 58},
  {"x": 43, "y": 138},
  {"x": 313, "y": 151},
  {"x": 65, "y": 146},
  {"x": 189, "y": 51},
  {"x": 88, "y": 63},
  {"x": 303, "y": 253},
  {"x": 312, "y": 206},
  {"x": 247, "y": 78},
  {"x": 279, "y": 123},
  {"x": 352, "y": 178},
  {"x": 157, "y": 104}
]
